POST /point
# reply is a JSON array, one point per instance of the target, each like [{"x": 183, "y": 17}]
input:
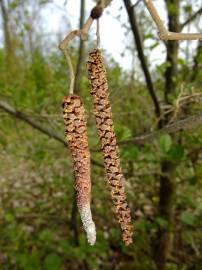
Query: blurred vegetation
[{"x": 36, "y": 177}]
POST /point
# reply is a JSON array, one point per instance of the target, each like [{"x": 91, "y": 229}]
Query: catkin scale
[
  {"x": 104, "y": 123},
  {"x": 76, "y": 135}
]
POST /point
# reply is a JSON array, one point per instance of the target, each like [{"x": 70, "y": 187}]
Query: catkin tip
[{"x": 88, "y": 224}]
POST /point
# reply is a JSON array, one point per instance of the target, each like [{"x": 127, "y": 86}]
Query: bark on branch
[
  {"x": 134, "y": 27},
  {"x": 83, "y": 34},
  {"x": 191, "y": 18},
  {"x": 188, "y": 123},
  {"x": 163, "y": 33},
  {"x": 20, "y": 115}
]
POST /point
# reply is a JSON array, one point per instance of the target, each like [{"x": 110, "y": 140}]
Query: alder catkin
[
  {"x": 76, "y": 135},
  {"x": 104, "y": 123}
]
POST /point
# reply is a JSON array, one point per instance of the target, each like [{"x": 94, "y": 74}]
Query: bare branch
[
  {"x": 181, "y": 125},
  {"x": 83, "y": 34},
  {"x": 136, "y": 34},
  {"x": 155, "y": 16},
  {"x": 191, "y": 18},
  {"x": 163, "y": 33},
  {"x": 189, "y": 123},
  {"x": 20, "y": 115},
  {"x": 136, "y": 4}
]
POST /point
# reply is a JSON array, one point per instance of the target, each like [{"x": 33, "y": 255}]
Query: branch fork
[{"x": 163, "y": 33}]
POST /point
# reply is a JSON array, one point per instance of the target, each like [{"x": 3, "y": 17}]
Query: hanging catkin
[
  {"x": 103, "y": 115},
  {"x": 76, "y": 135}
]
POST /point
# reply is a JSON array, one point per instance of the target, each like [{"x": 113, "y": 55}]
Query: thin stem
[
  {"x": 98, "y": 33},
  {"x": 82, "y": 33},
  {"x": 71, "y": 71}
]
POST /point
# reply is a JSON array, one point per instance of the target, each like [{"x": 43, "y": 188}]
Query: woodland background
[{"x": 39, "y": 224}]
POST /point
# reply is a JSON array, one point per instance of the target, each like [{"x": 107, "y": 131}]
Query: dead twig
[
  {"x": 163, "y": 33},
  {"x": 20, "y": 115},
  {"x": 83, "y": 34}
]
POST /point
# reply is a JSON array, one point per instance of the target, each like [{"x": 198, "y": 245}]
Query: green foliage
[
  {"x": 52, "y": 262},
  {"x": 165, "y": 142},
  {"x": 122, "y": 132},
  {"x": 188, "y": 219},
  {"x": 176, "y": 152}
]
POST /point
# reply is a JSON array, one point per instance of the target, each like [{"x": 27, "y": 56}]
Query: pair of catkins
[{"x": 76, "y": 135}]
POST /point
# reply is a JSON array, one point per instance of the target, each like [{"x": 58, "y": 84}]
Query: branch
[
  {"x": 20, "y": 115},
  {"x": 83, "y": 34},
  {"x": 181, "y": 125},
  {"x": 197, "y": 65},
  {"x": 136, "y": 4},
  {"x": 163, "y": 33},
  {"x": 136, "y": 34},
  {"x": 191, "y": 18}
]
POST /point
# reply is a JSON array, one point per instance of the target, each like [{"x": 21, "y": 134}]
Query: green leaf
[
  {"x": 46, "y": 236},
  {"x": 193, "y": 180},
  {"x": 122, "y": 132},
  {"x": 176, "y": 152},
  {"x": 52, "y": 262},
  {"x": 187, "y": 8},
  {"x": 3, "y": 141},
  {"x": 29, "y": 262},
  {"x": 130, "y": 153},
  {"x": 188, "y": 219},
  {"x": 153, "y": 46},
  {"x": 161, "y": 222},
  {"x": 9, "y": 217},
  {"x": 181, "y": 62},
  {"x": 165, "y": 142}
]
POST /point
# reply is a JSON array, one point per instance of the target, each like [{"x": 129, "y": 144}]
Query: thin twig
[
  {"x": 98, "y": 33},
  {"x": 181, "y": 125},
  {"x": 71, "y": 70},
  {"x": 20, "y": 115},
  {"x": 163, "y": 33},
  {"x": 155, "y": 16},
  {"x": 191, "y": 18},
  {"x": 141, "y": 55},
  {"x": 82, "y": 33},
  {"x": 136, "y": 4}
]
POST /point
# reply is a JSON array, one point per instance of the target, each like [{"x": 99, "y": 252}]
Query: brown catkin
[
  {"x": 104, "y": 122},
  {"x": 76, "y": 135}
]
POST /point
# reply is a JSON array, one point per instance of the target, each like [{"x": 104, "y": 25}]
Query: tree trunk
[
  {"x": 164, "y": 239},
  {"x": 197, "y": 60},
  {"x": 7, "y": 34},
  {"x": 172, "y": 47}
]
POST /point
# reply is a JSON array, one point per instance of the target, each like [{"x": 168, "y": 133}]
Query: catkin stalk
[
  {"x": 76, "y": 135},
  {"x": 104, "y": 123}
]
